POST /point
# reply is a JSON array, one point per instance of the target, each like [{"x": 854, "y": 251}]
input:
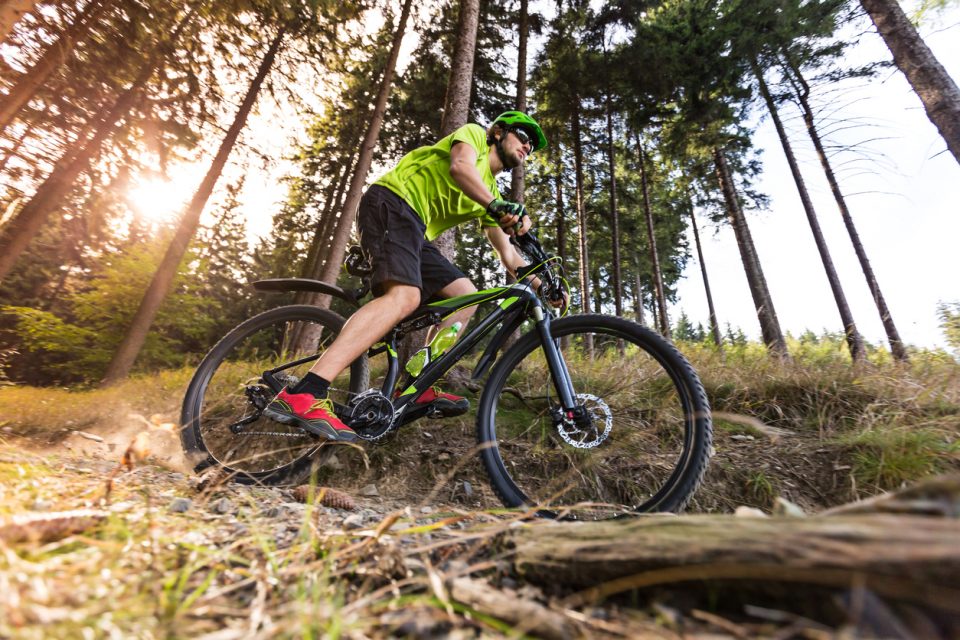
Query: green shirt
[{"x": 422, "y": 179}]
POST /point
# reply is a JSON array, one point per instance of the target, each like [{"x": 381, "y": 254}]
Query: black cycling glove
[{"x": 499, "y": 208}]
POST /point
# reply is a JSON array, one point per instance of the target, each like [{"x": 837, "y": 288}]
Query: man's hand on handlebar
[{"x": 511, "y": 216}]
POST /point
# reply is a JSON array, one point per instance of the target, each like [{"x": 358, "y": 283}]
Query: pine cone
[{"x": 325, "y": 496}]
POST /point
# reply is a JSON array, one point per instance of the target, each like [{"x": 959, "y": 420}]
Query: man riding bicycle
[{"x": 431, "y": 189}]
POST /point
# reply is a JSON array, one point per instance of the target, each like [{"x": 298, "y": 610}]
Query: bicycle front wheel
[
  {"x": 221, "y": 417},
  {"x": 640, "y": 443}
]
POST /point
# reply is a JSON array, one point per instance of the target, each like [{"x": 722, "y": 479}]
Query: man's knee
[{"x": 405, "y": 297}]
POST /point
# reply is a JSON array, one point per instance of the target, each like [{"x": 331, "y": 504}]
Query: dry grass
[{"x": 267, "y": 566}]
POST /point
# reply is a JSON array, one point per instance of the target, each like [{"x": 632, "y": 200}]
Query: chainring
[
  {"x": 371, "y": 415},
  {"x": 584, "y": 433}
]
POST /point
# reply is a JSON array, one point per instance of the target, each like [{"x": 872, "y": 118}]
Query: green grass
[{"x": 887, "y": 458}]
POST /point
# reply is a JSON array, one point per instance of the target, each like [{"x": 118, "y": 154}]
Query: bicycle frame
[{"x": 518, "y": 303}]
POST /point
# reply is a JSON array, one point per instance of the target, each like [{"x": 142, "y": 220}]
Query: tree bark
[
  {"x": 517, "y": 186},
  {"x": 661, "y": 299},
  {"x": 906, "y": 557},
  {"x": 581, "y": 212},
  {"x": 714, "y": 326},
  {"x": 54, "y": 56},
  {"x": 163, "y": 278},
  {"x": 10, "y": 13},
  {"x": 766, "y": 314},
  {"x": 802, "y": 92},
  {"x": 456, "y": 108},
  {"x": 854, "y": 341},
  {"x": 931, "y": 82},
  {"x": 338, "y": 244},
  {"x": 614, "y": 214}
]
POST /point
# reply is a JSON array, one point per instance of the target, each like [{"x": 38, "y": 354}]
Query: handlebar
[{"x": 530, "y": 245}]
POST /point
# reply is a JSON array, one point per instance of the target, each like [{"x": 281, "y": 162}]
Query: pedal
[{"x": 434, "y": 413}]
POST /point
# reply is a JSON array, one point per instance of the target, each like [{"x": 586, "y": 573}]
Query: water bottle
[{"x": 440, "y": 343}]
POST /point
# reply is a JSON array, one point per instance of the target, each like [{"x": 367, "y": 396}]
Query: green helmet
[{"x": 522, "y": 120}]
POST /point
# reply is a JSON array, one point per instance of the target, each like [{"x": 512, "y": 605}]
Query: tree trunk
[
  {"x": 660, "y": 297},
  {"x": 162, "y": 280},
  {"x": 638, "y": 295},
  {"x": 54, "y": 56},
  {"x": 21, "y": 230},
  {"x": 561, "y": 217},
  {"x": 854, "y": 341},
  {"x": 10, "y": 13},
  {"x": 581, "y": 212},
  {"x": 714, "y": 327},
  {"x": 516, "y": 180},
  {"x": 348, "y": 212},
  {"x": 766, "y": 314},
  {"x": 935, "y": 88},
  {"x": 893, "y": 336},
  {"x": 456, "y": 108},
  {"x": 614, "y": 215}
]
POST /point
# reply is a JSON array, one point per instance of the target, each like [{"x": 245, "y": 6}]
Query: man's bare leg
[
  {"x": 370, "y": 323},
  {"x": 459, "y": 287}
]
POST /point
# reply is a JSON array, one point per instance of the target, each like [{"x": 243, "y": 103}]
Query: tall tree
[
  {"x": 341, "y": 235},
  {"x": 523, "y": 28},
  {"x": 660, "y": 299},
  {"x": 763, "y": 303},
  {"x": 456, "y": 106},
  {"x": 127, "y": 352},
  {"x": 614, "y": 211},
  {"x": 931, "y": 82},
  {"x": 714, "y": 326},
  {"x": 854, "y": 341},
  {"x": 802, "y": 93}
]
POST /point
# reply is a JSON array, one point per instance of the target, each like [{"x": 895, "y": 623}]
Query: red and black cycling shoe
[
  {"x": 440, "y": 404},
  {"x": 310, "y": 414}
]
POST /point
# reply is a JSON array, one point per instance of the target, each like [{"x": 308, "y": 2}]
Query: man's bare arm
[{"x": 463, "y": 170}]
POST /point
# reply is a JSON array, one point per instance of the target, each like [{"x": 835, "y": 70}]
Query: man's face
[{"x": 516, "y": 147}]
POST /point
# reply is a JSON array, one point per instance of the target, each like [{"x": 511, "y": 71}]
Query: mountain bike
[{"x": 592, "y": 415}]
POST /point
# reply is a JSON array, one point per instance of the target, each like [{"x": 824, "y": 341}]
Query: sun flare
[{"x": 158, "y": 199}]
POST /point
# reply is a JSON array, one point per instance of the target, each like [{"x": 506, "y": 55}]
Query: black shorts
[{"x": 392, "y": 237}]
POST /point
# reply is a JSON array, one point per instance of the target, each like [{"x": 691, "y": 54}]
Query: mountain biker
[{"x": 431, "y": 189}]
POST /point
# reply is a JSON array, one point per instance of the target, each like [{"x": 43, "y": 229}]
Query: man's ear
[{"x": 495, "y": 134}]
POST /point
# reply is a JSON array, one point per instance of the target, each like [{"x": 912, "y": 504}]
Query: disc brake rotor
[{"x": 591, "y": 429}]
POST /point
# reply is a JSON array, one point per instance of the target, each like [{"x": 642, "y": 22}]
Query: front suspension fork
[{"x": 556, "y": 363}]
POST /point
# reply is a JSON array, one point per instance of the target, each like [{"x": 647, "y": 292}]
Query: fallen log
[
  {"x": 888, "y": 544},
  {"x": 905, "y": 557}
]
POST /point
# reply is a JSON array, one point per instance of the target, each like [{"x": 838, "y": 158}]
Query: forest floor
[{"x": 409, "y": 540}]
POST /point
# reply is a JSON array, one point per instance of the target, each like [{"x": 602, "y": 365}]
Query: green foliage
[{"x": 78, "y": 346}]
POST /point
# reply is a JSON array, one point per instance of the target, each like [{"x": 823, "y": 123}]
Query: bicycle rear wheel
[
  {"x": 221, "y": 417},
  {"x": 642, "y": 444}
]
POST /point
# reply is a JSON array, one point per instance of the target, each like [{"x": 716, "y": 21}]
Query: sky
[{"x": 905, "y": 204}]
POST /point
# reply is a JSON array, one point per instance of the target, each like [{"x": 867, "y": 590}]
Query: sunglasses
[{"x": 522, "y": 135}]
